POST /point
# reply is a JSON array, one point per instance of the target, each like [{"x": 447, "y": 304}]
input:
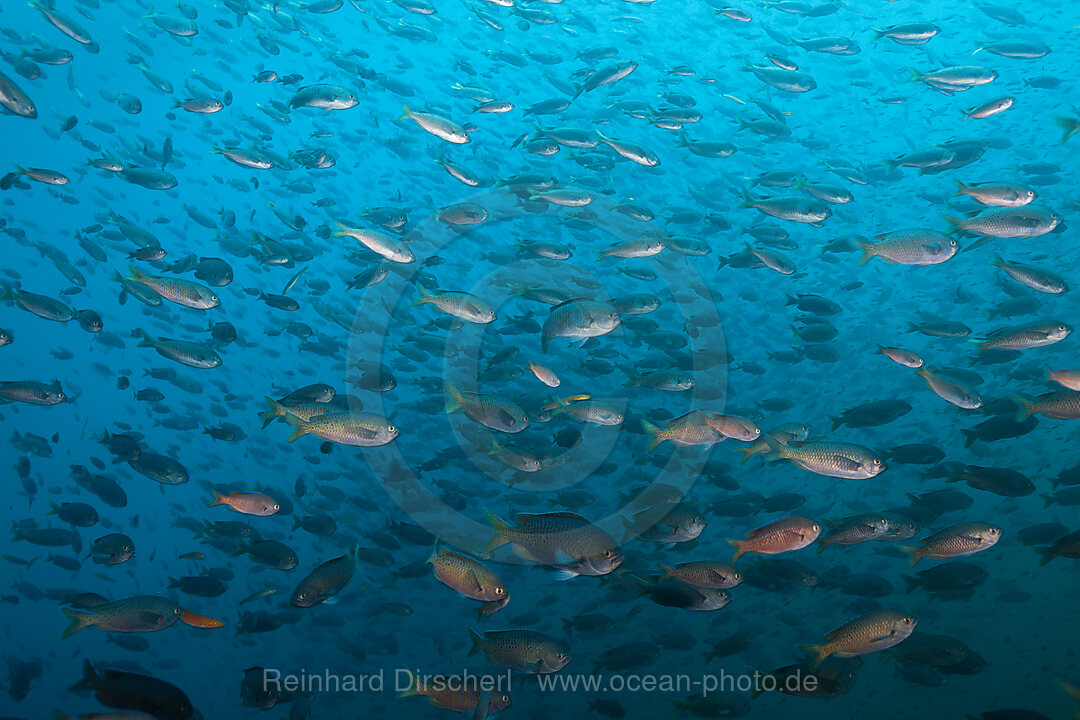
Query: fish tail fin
[
  {"x": 1070, "y": 126},
  {"x": 748, "y": 200},
  {"x": 1048, "y": 500},
  {"x": 412, "y": 687},
  {"x": 405, "y": 112},
  {"x": 136, "y": 274},
  {"x": 478, "y": 642},
  {"x": 868, "y": 251},
  {"x": 1072, "y": 690},
  {"x": 739, "y": 547},
  {"x": 425, "y": 296},
  {"x": 779, "y": 451},
  {"x": 273, "y": 412},
  {"x": 654, "y": 433},
  {"x": 1047, "y": 554},
  {"x": 961, "y": 189},
  {"x": 818, "y": 651},
  {"x": 79, "y": 620},
  {"x": 501, "y": 528},
  {"x": 1027, "y": 408},
  {"x": 747, "y": 452},
  {"x": 914, "y": 554},
  {"x": 997, "y": 261},
  {"x": 912, "y": 583},
  {"x": 955, "y": 224},
  {"x": 90, "y": 679},
  {"x": 915, "y": 75},
  {"x": 300, "y": 428},
  {"x": 970, "y": 436},
  {"x": 340, "y": 229},
  {"x": 668, "y": 572},
  {"x": 146, "y": 340},
  {"x": 457, "y": 400},
  {"x": 219, "y": 499}
]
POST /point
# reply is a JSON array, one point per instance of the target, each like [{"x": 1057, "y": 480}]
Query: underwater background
[{"x": 396, "y": 339}]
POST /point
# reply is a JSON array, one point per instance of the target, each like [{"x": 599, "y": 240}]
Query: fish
[
  {"x": 453, "y": 693},
  {"x": 139, "y": 693},
  {"x": 869, "y": 633},
  {"x": 1061, "y": 405},
  {"x": 144, "y": 613},
  {"x": 910, "y": 247},
  {"x": 440, "y": 127},
  {"x": 355, "y": 428},
  {"x": 323, "y": 583},
  {"x": 463, "y": 305},
  {"x": 831, "y": 459},
  {"x": 257, "y": 504},
  {"x": 467, "y": 576},
  {"x": 1038, "y": 279},
  {"x": 950, "y": 390},
  {"x": 955, "y": 541},
  {"x": 784, "y": 535},
  {"x": 527, "y": 651},
  {"x": 491, "y": 411},
  {"x": 564, "y": 541},
  {"x": 579, "y": 319},
  {"x": 186, "y": 352}
]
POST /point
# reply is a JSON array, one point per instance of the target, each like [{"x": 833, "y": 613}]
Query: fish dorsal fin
[
  {"x": 571, "y": 300},
  {"x": 522, "y": 518}
]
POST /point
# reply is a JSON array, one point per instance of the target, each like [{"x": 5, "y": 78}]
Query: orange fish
[
  {"x": 247, "y": 503},
  {"x": 200, "y": 621},
  {"x": 783, "y": 535}
]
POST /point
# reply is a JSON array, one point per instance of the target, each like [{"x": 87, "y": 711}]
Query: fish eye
[
  {"x": 607, "y": 553},
  {"x": 559, "y": 656},
  {"x": 506, "y": 698},
  {"x": 737, "y": 576},
  {"x": 499, "y": 591},
  {"x": 391, "y": 428},
  {"x": 276, "y": 506},
  {"x": 815, "y": 527},
  {"x": 1030, "y": 193}
]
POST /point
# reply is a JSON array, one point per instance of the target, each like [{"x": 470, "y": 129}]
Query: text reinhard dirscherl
[{"x": 404, "y": 679}]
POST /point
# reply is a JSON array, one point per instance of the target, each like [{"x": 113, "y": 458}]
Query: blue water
[{"x": 729, "y": 336}]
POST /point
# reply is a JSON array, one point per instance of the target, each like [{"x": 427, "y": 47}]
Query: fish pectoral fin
[
  {"x": 474, "y": 584},
  {"x": 151, "y": 617},
  {"x": 564, "y": 558},
  {"x": 888, "y": 636}
]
